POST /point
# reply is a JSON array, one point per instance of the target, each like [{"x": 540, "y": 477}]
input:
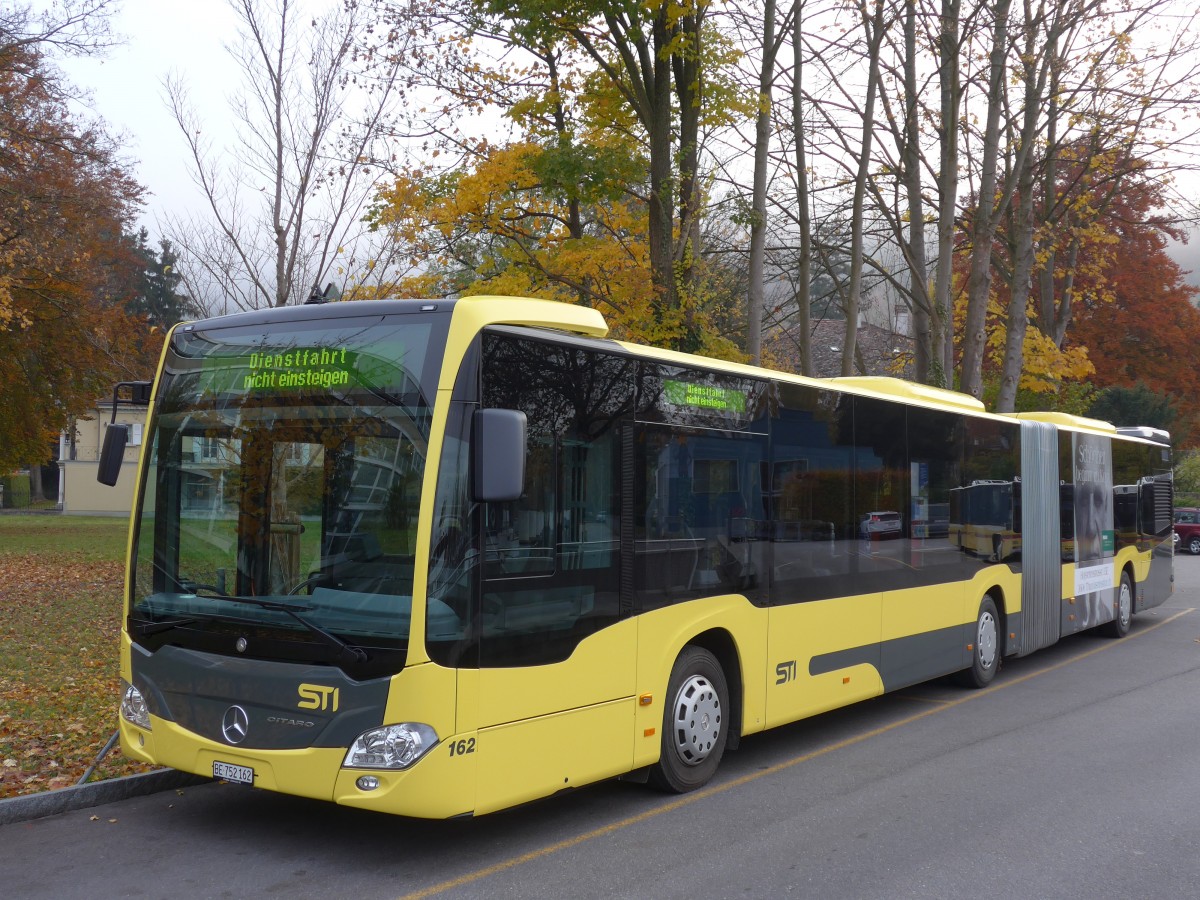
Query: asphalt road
[{"x": 1076, "y": 775}]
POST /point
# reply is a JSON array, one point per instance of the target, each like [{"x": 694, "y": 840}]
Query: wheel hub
[
  {"x": 697, "y": 720},
  {"x": 986, "y": 640}
]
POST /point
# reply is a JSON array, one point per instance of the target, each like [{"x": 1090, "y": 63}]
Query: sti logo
[{"x": 318, "y": 696}]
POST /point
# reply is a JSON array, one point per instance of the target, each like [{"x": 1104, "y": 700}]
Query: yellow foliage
[
  {"x": 491, "y": 229},
  {"x": 1045, "y": 367}
]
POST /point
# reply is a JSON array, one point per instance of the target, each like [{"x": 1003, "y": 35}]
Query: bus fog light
[
  {"x": 367, "y": 782},
  {"x": 391, "y": 747},
  {"x": 133, "y": 707}
]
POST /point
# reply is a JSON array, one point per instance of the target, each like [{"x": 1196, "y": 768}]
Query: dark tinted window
[
  {"x": 698, "y": 500},
  {"x": 699, "y": 509},
  {"x": 874, "y": 496},
  {"x": 815, "y": 531},
  {"x": 551, "y": 560},
  {"x": 918, "y": 464},
  {"x": 453, "y": 593}
]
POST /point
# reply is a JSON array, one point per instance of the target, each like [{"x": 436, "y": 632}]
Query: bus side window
[
  {"x": 813, "y": 526},
  {"x": 551, "y": 559},
  {"x": 699, "y": 500}
]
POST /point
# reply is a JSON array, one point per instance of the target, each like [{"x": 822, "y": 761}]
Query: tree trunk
[
  {"x": 1018, "y": 296},
  {"x": 656, "y": 78},
  {"x": 36, "y": 494},
  {"x": 947, "y": 180},
  {"x": 983, "y": 226},
  {"x": 804, "y": 278},
  {"x": 874, "y": 29},
  {"x": 758, "y": 225},
  {"x": 918, "y": 289},
  {"x": 686, "y": 68},
  {"x": 1021, "y": 240}
]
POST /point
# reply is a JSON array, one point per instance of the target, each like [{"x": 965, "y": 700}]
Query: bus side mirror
[
  {"x": 498, "y": 452},
  {"x": 111, "y": 454}
]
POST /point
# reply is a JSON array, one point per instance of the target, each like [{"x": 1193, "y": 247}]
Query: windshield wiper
[{"x": 346, "y": 652}]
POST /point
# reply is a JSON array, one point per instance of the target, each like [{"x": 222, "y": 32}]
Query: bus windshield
[{"x": 282, "y": 480}]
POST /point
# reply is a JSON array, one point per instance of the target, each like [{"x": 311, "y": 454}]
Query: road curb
[{"x": 97, "y": 793}]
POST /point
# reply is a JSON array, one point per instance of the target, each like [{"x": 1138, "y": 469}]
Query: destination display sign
[
  {"x": 299, "y": 368},
  {"x": 704, "y": 396},
  {"x": 311, "y": 367}
]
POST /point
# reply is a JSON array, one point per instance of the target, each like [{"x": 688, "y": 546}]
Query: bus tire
[
  {"x": 985, "y": 653},
  {"x": 694, "y": 729},
  {"x": 1123, "y": 614}
]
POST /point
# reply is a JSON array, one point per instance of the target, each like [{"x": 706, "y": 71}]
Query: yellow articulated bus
[{"x": 439, "y": 558}]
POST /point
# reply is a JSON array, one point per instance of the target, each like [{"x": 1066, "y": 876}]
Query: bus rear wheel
[
  {"x": 1123, "y": 614},
  {"x": 985, "y": 655},
  {"x": 694, "y": 723}
]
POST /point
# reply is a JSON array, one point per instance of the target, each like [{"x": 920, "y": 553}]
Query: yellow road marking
[
  {"x": 937, "y": 701},
  {"x": 688, "y": 799}
]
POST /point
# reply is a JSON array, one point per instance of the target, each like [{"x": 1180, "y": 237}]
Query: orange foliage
[
  {"x": 66, "y": 266},
  {"x": 1148, "y": 330}
]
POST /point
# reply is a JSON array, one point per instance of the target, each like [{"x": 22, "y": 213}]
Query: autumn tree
[
  {"x": 1091, "y": 88},
  {"x": 586, "y": 85},
  {"x": 1134, "y": 309},
  {"x": 650, "y": 54},
  {"x": 898, "y": 112},
  {"x": 66, "y": 204},
  {"x": 552, "y": 211}
]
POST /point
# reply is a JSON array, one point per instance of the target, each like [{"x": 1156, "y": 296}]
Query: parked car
[
  {"x": 880, "y": 526},
  {"x": 1187, "y": 529}
]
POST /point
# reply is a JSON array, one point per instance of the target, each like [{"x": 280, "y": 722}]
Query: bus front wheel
[
  {"x": 694, "y": 723},
  {"x": 985, "y": 653}
]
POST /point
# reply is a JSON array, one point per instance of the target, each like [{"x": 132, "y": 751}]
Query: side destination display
[{"x": 704, "y": 396}]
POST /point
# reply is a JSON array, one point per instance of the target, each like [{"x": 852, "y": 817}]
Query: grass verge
[{"x": 60, "y": 617}]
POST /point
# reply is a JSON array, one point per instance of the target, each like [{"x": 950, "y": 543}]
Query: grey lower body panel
[
  {"x": 1160, "y": 582},
  {"x": 912, "y": 659}
]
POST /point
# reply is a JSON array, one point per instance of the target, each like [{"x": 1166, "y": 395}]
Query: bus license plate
[{"x": 236, "y": 774}]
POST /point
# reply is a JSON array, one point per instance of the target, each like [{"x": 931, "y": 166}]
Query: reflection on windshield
[{"x": 285, "y": 499}]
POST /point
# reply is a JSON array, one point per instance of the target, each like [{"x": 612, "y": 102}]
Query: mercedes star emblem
[{"x": 235, "y": 724}]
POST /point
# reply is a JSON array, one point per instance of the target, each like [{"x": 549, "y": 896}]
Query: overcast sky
[{"x": 161, "y": 37}]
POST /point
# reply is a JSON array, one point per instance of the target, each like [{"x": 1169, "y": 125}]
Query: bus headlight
[
  {"x": 133, "y": 707},
  {"x": 391, "y": 746}
]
